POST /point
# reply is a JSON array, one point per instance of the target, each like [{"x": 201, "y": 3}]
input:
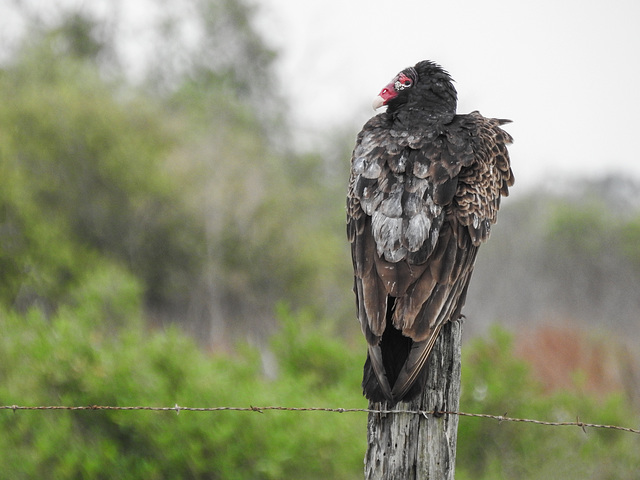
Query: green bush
[
  {"x": 75, "y": 358},
  {"x": 178, "y": 188},
  {"x": 84, "y": 177},
  {"x": 495, "y": 382}
]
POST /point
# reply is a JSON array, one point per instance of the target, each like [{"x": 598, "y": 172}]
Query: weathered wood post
[{"x": 418, "y": 447}]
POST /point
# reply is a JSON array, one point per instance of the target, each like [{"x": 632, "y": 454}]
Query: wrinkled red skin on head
[
  {"x": 400, "y": 82},
  {"x": 389, "y": 92}
]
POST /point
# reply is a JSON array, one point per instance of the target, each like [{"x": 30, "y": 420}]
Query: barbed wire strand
[{"x": 176, "y": 408}]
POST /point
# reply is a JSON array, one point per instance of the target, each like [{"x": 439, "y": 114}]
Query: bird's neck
[
  {"x": 420, "y": 118},
  {"x": 430, "y": 110}
]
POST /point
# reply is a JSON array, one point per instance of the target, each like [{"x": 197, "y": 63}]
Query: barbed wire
[{"x": 176, "y": 408}]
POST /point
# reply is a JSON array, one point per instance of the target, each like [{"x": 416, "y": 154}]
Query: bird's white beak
[
  {"x": 386, "y": 94},
  {"x": 378, "y": 102}
]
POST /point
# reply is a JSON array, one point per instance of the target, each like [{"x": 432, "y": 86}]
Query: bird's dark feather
[{"x": 423, "y": 195}]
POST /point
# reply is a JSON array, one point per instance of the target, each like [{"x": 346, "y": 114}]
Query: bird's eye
[{"x": 403, "y": 82}]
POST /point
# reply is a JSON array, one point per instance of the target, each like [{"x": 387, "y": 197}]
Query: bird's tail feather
[
  {"x": 414, "y": 368},
  {"x": 371, "y": 386},
  {"x": 395, "y": 369}
]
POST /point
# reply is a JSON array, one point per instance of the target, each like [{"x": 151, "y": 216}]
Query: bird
[{"x": 424, "y": 190}]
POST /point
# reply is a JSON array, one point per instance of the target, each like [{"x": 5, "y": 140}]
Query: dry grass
[{"x": 563, "y": 357}]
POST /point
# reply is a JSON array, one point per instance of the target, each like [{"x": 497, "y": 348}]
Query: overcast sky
[{"x": 566, "y": 72}]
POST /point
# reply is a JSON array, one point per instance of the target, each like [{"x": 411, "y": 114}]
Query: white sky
[{"x": 567, "y": 72}]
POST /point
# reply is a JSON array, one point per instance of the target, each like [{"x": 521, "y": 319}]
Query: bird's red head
[{"x": 401, "y": 82}]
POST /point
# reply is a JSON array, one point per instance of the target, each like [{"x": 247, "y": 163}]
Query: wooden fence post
[{"x": 419, "y": 447}]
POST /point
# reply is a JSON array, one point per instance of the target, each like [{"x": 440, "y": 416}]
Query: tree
[
  {"x": 187, "y": 185},
  {"x": 86, "y": 180}
]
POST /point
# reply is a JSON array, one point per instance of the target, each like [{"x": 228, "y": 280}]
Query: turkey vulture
[{"x": 424, "y": 190}]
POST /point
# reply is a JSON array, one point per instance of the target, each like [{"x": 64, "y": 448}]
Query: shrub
[
  {"x": 76, "y": 359},
  {"x": 495, "y": 382}
]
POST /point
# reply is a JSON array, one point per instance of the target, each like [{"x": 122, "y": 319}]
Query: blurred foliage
[
  {"x": 587, "y": 228},
  {"x": 565, "y": 252},
  {"x": 579, "y": 229},
  {"x": 630, "y": 240},
  {"x": 213, "y": 43},
  {"x": 494, "y": 381},
  {"x": 190, "y": 188},
  {"x": 86, "y": 180},
  {"x": 74, "y": 358},
  {"x": 179, "y": 199}
]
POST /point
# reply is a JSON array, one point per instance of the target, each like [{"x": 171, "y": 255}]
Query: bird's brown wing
[
  {"x": 418, "y": 207},
  {"x": 480, "y": 188}
]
